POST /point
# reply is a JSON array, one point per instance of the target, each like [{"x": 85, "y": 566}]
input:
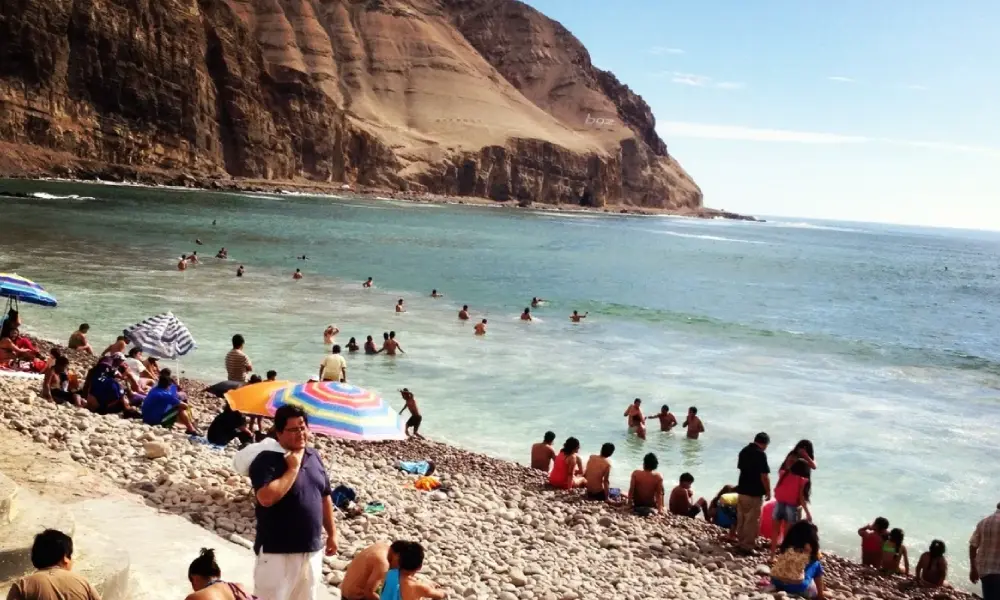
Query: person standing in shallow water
[
  {"x": 526, "y": 315},
  {"x": 542, "y": 453},
  {"x": 636, "y": 420},
  {"x": 463, "y": 315},
  {"x": 481, "y": 327},
  {"x": 293, "y": 508},
  {"x": 753, "y": 487}
]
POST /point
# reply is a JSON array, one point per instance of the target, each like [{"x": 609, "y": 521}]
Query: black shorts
[
  {"x": 61, "y": 396},
  {"x": 644, "y": 511},
  {"x": 601, "y": 496},
  {"x": 414, "y": 421},
  {"x": 694, "y": 511}
]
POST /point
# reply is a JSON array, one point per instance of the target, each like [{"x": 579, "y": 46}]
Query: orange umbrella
[{"x": 252, "y": 399}]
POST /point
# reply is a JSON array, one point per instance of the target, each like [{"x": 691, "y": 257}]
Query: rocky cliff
[{"x": 461, "y": 97}]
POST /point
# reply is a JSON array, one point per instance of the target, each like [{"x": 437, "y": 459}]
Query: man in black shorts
[
  {"x": 682, "y": 500},
  {"x": 415, "y": 418}
]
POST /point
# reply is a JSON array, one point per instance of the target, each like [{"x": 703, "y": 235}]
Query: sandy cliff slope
[{"x": 462, "y": 97}]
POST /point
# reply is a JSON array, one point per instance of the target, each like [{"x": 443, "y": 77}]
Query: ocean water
[{"x": 878, "y": 343}]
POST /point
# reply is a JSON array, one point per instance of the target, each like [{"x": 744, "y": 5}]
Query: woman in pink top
[
  {"x": 790, "y": 493},
  {"x": 567, "y": 472}
]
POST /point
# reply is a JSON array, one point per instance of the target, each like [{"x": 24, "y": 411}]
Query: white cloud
[
  {"x": 701, "y": 81},
  {"x": 757, "y": 134},
  {"x": 840, "y": 79},
  {"x": 661, "y": 50}
]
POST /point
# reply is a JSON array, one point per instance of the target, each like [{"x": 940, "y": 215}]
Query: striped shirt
[
  {"x": 237, "y": 364},
  {"x": 986, "y": 541}
]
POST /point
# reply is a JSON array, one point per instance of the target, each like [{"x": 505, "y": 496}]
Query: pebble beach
[{"x": 496, "y": 532}]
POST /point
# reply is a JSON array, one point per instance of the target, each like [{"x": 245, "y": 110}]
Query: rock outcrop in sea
[{"x": 458, "y": 97}]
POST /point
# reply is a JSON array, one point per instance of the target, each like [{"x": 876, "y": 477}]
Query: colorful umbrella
[
  {"x": 341, "y": 410},
  {"x": 162, "y": 336},
  {"x": 252, "y": 399},
  {"x": 19, "y": 289}
]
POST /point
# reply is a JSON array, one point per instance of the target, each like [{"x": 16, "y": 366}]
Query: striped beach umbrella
[
  {"x": 162, "y": 336},
  {"x": 21, "y": 289},
  {"x": 341, "y": 410}
]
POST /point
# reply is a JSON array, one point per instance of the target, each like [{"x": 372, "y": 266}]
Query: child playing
[
  {"x": 667, "y": 419},
  {"x": 932, "y": 568},
  {"x": 873, "y": 536},
  {"x": 893, "y": 551},
  {"x": 797, "y": 569},
  {"x": 693, "y": 424},
  {"x": 403, "y": 584},
  {"x": 415, "y": 418},
  {"x": 790, "y": 493}
]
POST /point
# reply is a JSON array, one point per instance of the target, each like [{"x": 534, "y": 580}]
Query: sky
[{"x": 861, "y": 110}]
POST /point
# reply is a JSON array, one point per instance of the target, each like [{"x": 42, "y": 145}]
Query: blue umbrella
[
  {"x": 20, "y": 289},
  {"x": 162, "y": 336}
]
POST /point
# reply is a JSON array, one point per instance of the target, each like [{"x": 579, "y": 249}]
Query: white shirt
[{"x": 334, "y": 367}]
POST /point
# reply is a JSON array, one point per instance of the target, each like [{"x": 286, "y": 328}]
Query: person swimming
[
  {"x": 399, "y": 306},
  {"x": 352, "y": 345},
  {"x": 481, "y": 327},
  {"x": 463, "y": 315},
  {"x": 435, "y": 294},
  {"x": 199, "y": 242},
  {"x": 577, "y": 317},
  {"x": 223, "y": 253},
  {"x": 536, "y": 302},
  {"x": 526, "y": 315},
  {"x": 239, "y": 271},
  {"x": 303, "y": 257},
  {"x": 369, "y": 283}
]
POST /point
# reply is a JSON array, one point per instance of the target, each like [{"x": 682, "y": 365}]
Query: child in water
[{"x": 894, "y": 552}]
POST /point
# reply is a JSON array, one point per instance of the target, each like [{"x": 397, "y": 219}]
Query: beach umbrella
[
  {"x": 20, "y": 289},
  {"x": 252, "y": 399},
  {"x": 340, "y": 410},
  {"x": 162, "y": 336}
]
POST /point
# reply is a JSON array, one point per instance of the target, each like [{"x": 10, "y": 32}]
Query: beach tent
[
  {"x": 338, "y": 410},
  {"x": 162, "y": 336}
]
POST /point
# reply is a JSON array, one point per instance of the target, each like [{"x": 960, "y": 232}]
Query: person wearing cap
[{"x": 753, "y": 487}]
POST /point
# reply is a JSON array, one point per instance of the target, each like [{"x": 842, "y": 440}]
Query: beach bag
[
  {"x": 343, "y": 496},
  {"x": 245, "y": 457}
]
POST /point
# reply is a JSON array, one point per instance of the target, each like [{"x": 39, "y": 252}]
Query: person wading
[
  {"x": 754, "y": 486},
  {"x": 293, "y": 508}
]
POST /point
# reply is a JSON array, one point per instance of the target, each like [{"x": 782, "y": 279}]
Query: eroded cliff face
[{"x": 464, "y": 97}]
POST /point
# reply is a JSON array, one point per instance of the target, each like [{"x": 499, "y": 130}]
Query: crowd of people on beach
[{"x": 296, "y": 515}]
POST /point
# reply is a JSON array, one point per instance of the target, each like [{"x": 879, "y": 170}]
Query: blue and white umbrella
[{"x": 162, "y": 336}]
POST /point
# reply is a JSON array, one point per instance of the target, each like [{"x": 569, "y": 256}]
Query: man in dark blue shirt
[{"x": 293, "y": 508}]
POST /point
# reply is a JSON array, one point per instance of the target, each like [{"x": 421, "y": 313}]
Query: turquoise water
[{"x": 878, "y": 343}]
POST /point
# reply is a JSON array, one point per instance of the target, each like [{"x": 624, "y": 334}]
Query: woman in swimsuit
[
  {"x": 206, "y": 580},
  {"x": 55, "y": 386},
  {"x": 894, "y": 552},
  {"x": 352, "y": 345},
  {"x": 932, "y": 568}
]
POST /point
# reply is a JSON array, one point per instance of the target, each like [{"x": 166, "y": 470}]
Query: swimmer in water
[
  {"x": 399, "y": 306},
  {"x": 193, "y": 259},
  {"x": 223, "y": 253},
  {"x": 435, "y": 294},
  {"x": 481, "y": 327},
  {"x": 297, "y": 274},
  {"x": 368, "y": 283},
  {"x": 391, "y": 345},
  {"x": 526, "y": 315},
  {"x": 239, "y": 272},
  {"x": 213, "y": 222},
  {"x": 183, "y": 264},
  {"x": 693, "y": 424},
  {"x": 198, "y": 241},
  {"x": 536, "y": 302},
  {"x": 636, "y": 420},
  {"x": 329, "y": 333},
  {"x": 303, "y": 257},
  {"x": 352, "y": 345},
  {"x": 463, "y": 315},
  {"x": 667, "y": 419},
  {"x": 370, "y": 346},
  {"x": 577, "y": 317}
]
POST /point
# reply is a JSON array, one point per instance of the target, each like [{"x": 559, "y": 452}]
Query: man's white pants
[{"x": 288, "y": 576}]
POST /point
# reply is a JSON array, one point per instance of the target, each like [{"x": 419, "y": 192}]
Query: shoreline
[
  {"x": 310, "y": 188},
  {"x": 684, "y": 554}
]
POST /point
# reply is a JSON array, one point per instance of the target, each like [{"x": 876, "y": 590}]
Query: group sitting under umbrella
[{"x": 17, "y": 353}]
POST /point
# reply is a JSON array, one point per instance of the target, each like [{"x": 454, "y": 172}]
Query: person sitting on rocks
[
  {"x": 682, "y": 500},
  {"x": 797, "y": 569},
  {"x": 567, "y": 472},
  {"x": 598, "y": 474},
  {"x": 722, "y": 508},
  {"x": 894, "y": 554},
  {"x": 645, "y": 491},
  {"x": 206, "y": 580},
  {"x": 17, "y": 356},
  {"x": 229, "y": 425},
  {"x": 404, "y": 584},
  {"x": 106, "y": 395},
  {"x": 52, "y": 555},
  {"x": 56, "y": 385},
  {"x": 78, "y": 340},
  {"x": 932, "y": 568},
  {"x": 873, "y": 536},
  {"x": 165, "y": 405},
  {"x": 368, "y": 568},
  {"x": 542, "y": 453}
]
